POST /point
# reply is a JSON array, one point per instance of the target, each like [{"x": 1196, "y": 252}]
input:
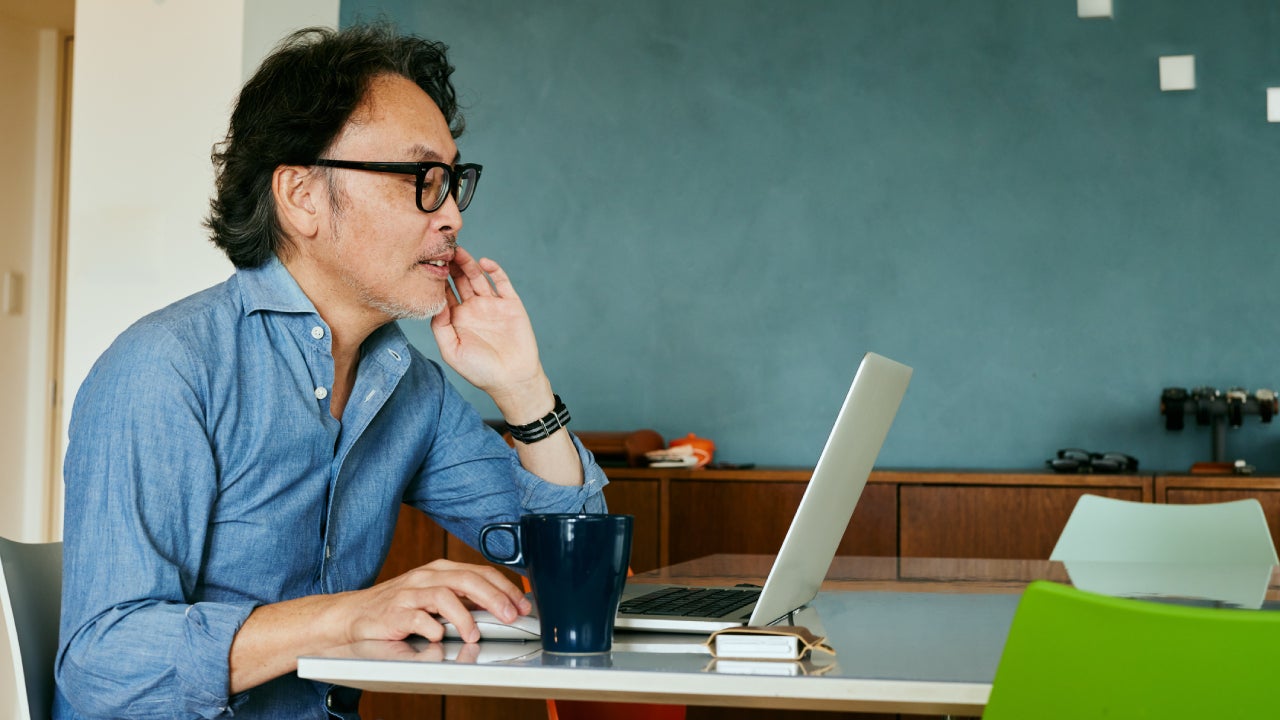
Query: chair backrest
[
  {"x": 1219, "y": 552},
  {"x": 1107, "y": 529},
  {"x": 1075, "y": 654},
  {"x": 31, "y": 596}
]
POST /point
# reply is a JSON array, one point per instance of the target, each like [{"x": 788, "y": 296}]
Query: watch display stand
[{"x": 1217, "y": 410}]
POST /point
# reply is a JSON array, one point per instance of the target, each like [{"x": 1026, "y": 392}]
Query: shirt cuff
[
  {"x": 541, "y": 496},
  {"x": 206, "y": 679}
]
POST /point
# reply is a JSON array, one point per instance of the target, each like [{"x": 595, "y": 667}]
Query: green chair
[{"x": 1076, "y": 654}]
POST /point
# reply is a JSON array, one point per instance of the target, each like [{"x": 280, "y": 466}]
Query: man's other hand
[
  {"x": 485, "y": 335},
  {"x": 410, "y": 604}
]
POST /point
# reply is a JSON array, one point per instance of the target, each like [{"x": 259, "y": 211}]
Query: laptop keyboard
[{"x": 690, "y": 602}]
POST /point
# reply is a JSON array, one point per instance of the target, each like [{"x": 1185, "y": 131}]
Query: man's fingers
[
  {"x": 465, "y": 291},
  {"x": 488, "y": 596},
  {"x": 500, "y": 581},
  {"x": 484, "y": 586},
  {"x": 482, "y": 593},
  {"x": 425, "y": 624},
  {"x": 442, "y": 323},
  {"x": 501, "y": 282},
  {"x": 468, "y": 276},
  {"x": 458, "y": 271},
  {"x": 450, "y": 608}
]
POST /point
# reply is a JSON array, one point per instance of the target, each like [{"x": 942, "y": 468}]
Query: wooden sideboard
[
  {"x": 682, "y": 514},
  {"x": 901, "y": 512},
  {"x": 1204, "y": 489}
]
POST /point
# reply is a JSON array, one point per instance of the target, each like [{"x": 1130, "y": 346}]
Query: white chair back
[
  {"x": 1220, "y": 552},
  {"x": 31, "y": 596}
]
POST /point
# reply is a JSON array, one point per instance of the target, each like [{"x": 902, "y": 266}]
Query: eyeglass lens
[{"x": 436, "y": 184}]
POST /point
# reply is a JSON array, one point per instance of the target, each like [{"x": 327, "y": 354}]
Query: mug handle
[{"x": 516, "y": 559}]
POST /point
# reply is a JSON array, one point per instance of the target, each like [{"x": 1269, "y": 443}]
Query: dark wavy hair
[{"x": 292, "y": 109}]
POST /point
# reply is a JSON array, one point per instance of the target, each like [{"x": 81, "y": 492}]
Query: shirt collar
[{"x": 270, "y": 287}]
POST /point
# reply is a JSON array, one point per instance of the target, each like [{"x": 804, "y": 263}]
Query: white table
[
  {"x": 919, "y": 653},
  {"x": 912, "y": 636}
]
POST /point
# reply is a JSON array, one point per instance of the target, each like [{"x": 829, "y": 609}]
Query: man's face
[{"x": 387, "y": 256}]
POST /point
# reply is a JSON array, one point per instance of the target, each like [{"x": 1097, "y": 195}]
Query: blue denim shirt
[{"x": 205, "y": 477}]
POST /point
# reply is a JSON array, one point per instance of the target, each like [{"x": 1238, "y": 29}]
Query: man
[{"x": 237, "y": 460}]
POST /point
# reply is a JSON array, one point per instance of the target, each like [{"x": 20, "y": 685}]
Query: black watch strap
[{"x": 543, "y": 427}]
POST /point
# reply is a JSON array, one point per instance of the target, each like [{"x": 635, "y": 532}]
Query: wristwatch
[
  {"x": 1173, "y": 405},
  {"x": 1266, "y": 403},
  {"x": 542, "y": 428},
  {"x": 1236, "y": 398},
  {"x": 1205, "y": 398}
]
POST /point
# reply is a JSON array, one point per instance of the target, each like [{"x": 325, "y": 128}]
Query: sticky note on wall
[
  {"x": 1093, "y": 8},
  {"x": 1177, "y": 72}
]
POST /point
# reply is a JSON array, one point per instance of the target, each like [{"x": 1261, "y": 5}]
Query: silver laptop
[{"x": 815, "y": 532}]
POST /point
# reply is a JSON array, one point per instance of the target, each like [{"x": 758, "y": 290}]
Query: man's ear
[{"x": 297, "y": 202}]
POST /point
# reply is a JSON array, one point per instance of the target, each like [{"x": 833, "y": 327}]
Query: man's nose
[{"x": 448, "y": 216}]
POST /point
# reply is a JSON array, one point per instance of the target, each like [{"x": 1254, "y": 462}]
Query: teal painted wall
[{"x": 712, "y": 209}]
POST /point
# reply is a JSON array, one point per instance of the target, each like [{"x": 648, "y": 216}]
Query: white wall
[
  {"x": 28, "y": 68},
  {"x": 20, "y": 58},
  {"x": 154, "y": 81},
  {"x": 154, "y": 85}
]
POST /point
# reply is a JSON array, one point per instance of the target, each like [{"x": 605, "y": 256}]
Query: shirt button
[
  {"x": 328, "y": 552},
  {"x": 321, "y": 393},
  {"x": 317, "y": 332}
]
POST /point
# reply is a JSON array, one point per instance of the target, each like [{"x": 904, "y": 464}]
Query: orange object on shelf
[{"x": 703, "y": 449}]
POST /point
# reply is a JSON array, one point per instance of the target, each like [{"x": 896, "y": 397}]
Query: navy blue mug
[{"x": 577, "y": 565}]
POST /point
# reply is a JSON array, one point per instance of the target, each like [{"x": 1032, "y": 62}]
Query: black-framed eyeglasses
[{"x": 436, "y": 180}]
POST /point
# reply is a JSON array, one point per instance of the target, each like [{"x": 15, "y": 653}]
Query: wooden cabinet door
[
  {"x": 1188, "y": 490},
  {"x": 638, "y": 498},
  {"x": 716, "y": 516},
  {"x": 990, "y": 521}
]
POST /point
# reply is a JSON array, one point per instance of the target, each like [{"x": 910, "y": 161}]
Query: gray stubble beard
[{"x": 396, "y": 311}]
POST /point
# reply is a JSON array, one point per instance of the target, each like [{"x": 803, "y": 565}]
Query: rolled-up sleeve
[
  {"x": 471, "y": 477},
  {"x": 140, "y": 490},
  {"x": 540, "y": 496}
]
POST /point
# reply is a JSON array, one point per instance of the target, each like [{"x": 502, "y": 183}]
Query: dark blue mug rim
[{"x": 517, "y": 560}]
